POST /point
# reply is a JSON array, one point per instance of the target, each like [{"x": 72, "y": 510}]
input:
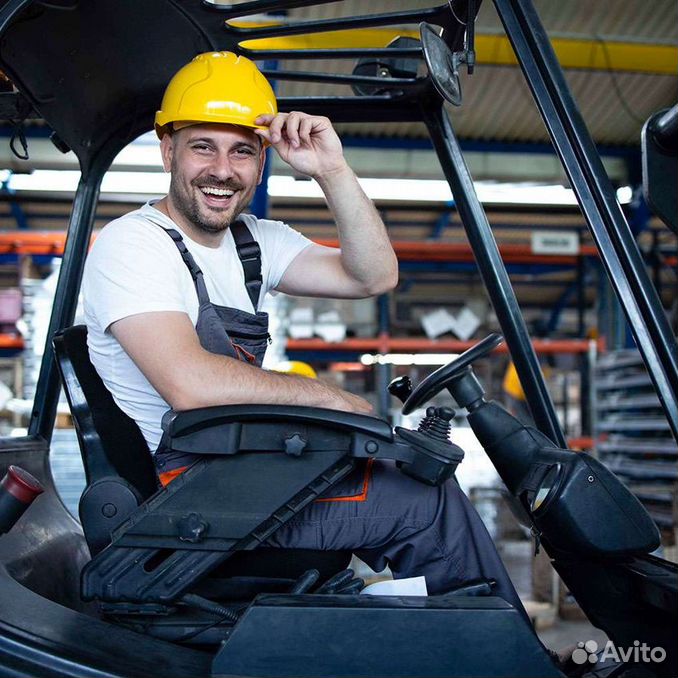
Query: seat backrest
[{"x": 110, "y": 441}]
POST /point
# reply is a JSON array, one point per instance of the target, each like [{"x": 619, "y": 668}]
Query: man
[{"x": 173, "y": 321}]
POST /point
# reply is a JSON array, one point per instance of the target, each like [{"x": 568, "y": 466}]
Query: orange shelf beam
[
  {"x": 11, "y": 341},
  {"x": 386, "y": 344},
  {"x": 389, "y": 345},
  {"x": 461, "y": 252},
  {"x": 41, "y": 242},
  {"x": 583, "y": 443},
  {"x": 48, "y": 242},
  {"x": 28, "y": 242}
]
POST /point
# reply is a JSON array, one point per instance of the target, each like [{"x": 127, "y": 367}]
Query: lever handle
[
  {"x": 401, "y": 387},
  {"x": 445, "y": 413}
]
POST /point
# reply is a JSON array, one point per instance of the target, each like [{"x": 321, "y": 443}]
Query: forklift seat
[{"x": 121, "y": 475}]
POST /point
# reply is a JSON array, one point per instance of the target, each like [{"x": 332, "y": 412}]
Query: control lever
[
  {"x": 436, "y": 423},
  {"x": 401, "y": 387}
]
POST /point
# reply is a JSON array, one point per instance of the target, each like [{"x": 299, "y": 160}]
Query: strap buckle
[{"x": 249, "y": 251}]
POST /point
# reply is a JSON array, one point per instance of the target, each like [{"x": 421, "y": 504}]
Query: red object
[
  {"x": 10, "y": 341},
  {"x": 21, "y": 485},
  {"x": 583, "y": 443}
]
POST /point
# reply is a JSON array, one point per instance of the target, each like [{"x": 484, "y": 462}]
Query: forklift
[{"x": 178, "y": 581}]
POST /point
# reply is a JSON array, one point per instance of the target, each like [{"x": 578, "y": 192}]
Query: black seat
[
  {"x": 121, "y": 475},
  {"x": 110, "y": 441}
]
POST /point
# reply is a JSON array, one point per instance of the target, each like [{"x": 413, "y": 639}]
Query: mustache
[{"x": 215, "y": 183}]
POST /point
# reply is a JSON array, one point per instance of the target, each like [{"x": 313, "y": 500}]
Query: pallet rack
[{"x": 633, "y": 437}]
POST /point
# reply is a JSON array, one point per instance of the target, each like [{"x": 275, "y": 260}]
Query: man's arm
[
  {"x": 366, "y": 264},
  {"x": 166, "y": 348}
]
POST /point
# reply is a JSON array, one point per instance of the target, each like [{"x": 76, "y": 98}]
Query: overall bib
[
  {"x": 382, "y": 515},
  {"x": 222, "y": 330}
]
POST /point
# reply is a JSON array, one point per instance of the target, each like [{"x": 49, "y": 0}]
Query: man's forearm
[
  {"x": 219, "y": 380},
  {"x": 366, "y": 252}
]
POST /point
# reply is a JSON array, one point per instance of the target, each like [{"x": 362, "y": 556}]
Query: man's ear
[
  {"x": 262, "y": 162},
  {"x": 166, "y": 149}
]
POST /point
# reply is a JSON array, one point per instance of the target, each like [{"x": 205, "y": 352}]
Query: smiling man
[{"x": 172, "y": 293}]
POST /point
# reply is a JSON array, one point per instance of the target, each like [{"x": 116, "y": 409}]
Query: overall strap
[
  {"x": 249, "y": 254},
  {"x": 195, "y": 270}
]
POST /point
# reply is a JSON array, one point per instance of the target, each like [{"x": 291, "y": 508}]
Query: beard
[{"x": 208, "y": 219}]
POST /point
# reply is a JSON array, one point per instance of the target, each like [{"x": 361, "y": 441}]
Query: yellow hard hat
[
  {"x": 511, "y": 384},
  {"x": 296, "y": 367},
  {"x": 219, "y": 87}
]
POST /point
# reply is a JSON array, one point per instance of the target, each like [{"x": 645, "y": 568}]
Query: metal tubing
[
  {"x": 618, "y": 249},
  {"x": 235, "y": 10},
  {"x": 65, "y": 300},
  {"x": 581, "y": 296},
  {"x": 352, "y": 53},
  {"x": 435, "y": 15},
  {"x": 492, "y": 269},
  {"x": 383, "y": 372},
  {"x": 585, "y": 393},
  {"x": 309, "y": 76},
  {"x": 354, "y": 109}
]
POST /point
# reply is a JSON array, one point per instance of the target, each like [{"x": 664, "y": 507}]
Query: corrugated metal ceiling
[{"x": 497, "y": 103}]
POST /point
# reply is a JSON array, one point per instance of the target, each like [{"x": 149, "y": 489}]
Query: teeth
[{"x": 221, "y": 192}]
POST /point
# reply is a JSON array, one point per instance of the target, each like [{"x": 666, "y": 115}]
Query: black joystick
[
  {"x": 436, "y": 423},
  {"x": 401, "y": 387}
]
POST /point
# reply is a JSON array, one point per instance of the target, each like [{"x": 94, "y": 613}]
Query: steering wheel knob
[{"x": 400, "y": 387}]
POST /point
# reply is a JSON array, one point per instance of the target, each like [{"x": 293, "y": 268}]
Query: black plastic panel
[{"x": 385, "y": 637}]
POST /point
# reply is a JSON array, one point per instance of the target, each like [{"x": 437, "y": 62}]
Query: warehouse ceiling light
[
  {"x": 408, "y": 358},
  {"x": 410, "y": 190},
  {"x": 434, "y": 190}
]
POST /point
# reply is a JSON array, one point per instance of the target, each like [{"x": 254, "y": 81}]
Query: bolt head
[
  {"x": 371, "y": 447},
  {"x": 109, "y": 510}
]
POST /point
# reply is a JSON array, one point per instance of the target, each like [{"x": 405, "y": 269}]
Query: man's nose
[{"x": 222, "y": 167}]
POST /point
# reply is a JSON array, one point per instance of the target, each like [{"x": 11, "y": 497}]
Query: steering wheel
[{"x": 441, "y": 378}]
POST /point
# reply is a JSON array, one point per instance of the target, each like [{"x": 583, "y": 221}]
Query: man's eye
[
  {"x": 244, "y": 151},
  {"x": 201, "y": 147}
]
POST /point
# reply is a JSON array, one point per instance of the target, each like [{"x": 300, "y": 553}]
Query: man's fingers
[
  {"x": 275, "y": 127},
  {"x": 264, "y": 119},
  {"x": 305, "y": 129},
  {"x": 292, "y": 124},
  {"x": 297, "y": 128},
  {"x": 264, "y": 134}
]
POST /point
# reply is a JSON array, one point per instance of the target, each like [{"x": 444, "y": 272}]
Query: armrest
[{"x": 222, "y": 429}]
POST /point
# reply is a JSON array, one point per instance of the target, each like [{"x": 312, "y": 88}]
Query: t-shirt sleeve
[
  {"x": 280, "y": 244},
  {"x": 131, "y": 270}
]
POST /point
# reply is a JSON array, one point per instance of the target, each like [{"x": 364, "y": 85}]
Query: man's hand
[
  {"x": 307, "y": 143},
  {"x": 346, "y": 401}
]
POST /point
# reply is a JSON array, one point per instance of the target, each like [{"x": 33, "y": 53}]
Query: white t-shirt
[{"x": 133, "y": 267}]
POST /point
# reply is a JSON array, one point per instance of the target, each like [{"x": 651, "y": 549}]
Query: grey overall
[{"x": 382, "y": 515}]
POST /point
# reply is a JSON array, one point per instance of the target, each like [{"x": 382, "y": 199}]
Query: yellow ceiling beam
[
  {"x": 595, "y": 55},
  {"x": 494, "y": 50}
]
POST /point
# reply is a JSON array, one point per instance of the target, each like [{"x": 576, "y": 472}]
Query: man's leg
[{"x": 388, "y": 518}]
